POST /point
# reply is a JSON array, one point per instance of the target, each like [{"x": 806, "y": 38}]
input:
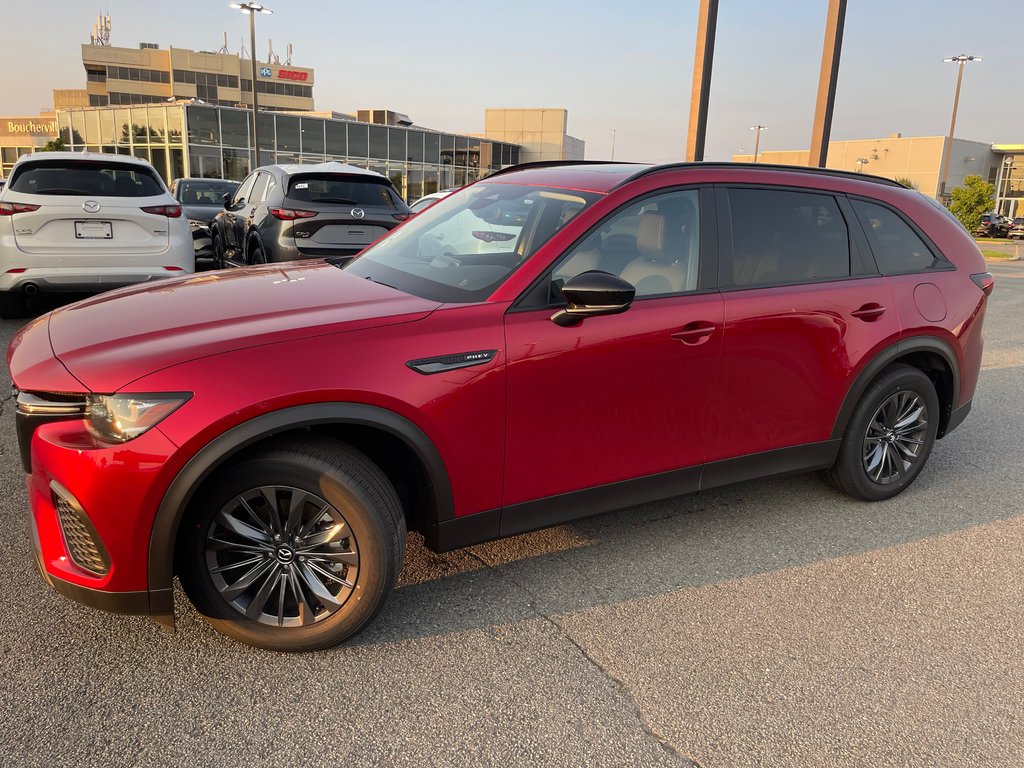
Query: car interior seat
[{"x": 662, "y": 266}]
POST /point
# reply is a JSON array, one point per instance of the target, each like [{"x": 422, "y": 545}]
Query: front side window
[
  {"x": 653, "y": 244},
  {"x": 897, "y": 248},
  {"x": 73, "y": 177},
  {"x": 461, "y": 249},
  {"x": 782, "y": 237},
  {"x": 243, "y": 192}
]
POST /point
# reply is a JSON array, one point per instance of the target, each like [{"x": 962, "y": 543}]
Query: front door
[{"x": 623, "y": 396}]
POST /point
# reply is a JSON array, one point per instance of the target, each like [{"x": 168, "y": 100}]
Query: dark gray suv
[{"x": 287, "y": 212}]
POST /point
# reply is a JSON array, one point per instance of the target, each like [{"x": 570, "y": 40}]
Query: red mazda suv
[{"x": 270, "y": 434}]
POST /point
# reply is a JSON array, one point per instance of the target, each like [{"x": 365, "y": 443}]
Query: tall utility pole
[
  {"x": 707, "y": 21},
  {"x": 947, "y": 151},
  {"x": 830, "y": 54},
  {"x": 613, "y": 144},
  {"x": 252, "y": 9},
  {"x": 757, "y": 138}
]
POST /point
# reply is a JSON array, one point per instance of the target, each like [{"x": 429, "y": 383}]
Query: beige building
[
  {"x": 151, "y": 75},
  {"x": 540, "y": 132},
  {"x": 918, "y": 158}
]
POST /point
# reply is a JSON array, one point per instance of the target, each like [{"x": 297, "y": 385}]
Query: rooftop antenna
[
  {"x": 242, "y": 52},
  {"x": 101, "y": 31},
  {"x": 288, "y": 60},
  {"x": 224, "y": 45},
  {"x": 272, "y": 58}
]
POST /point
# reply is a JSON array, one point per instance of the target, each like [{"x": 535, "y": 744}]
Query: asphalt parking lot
[{"x": 775, "y": 623}]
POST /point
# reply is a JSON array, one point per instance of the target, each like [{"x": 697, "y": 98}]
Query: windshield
[
  {"x": 204, "y": 191},
  {"x": 461, "y": 249}
]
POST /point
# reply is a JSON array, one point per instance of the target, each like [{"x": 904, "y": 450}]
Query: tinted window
[
  {"x": 259, "y": 190},
  {"x": 466, "y": 245},
  {"x": 190, "y": 191},
  {"x": 338, "y": 188},
  {"x": 787, "y": 237},
  {"x": 653, "y": 244},
  {"x": 242, "y": 193},
  {"x": 78, "y": 178},
  {"x": 896, "y": 246}
]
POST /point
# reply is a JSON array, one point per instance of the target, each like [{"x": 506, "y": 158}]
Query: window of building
[
  {"x": 336, "y": 143},
  {"x": 897, "y": 248},
  {"x": 378, "y": 142},
  {"x": 234, "y": 126},
  {"x": 397, "y": 149},
  {"x": 358, "y": 140},
  {"x": 784, "y": 237},
  {"x": 312, "y": 131},
  {"x": 203, "y": 126},
  {"x": 287, "y": 134},
  {"x": 431, "y": 148}
]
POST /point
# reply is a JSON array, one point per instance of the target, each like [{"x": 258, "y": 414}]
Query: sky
[{"x": 615, "y": 65}]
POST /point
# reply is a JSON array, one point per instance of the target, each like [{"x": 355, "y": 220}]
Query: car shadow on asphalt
[{"x": 708, "y": 538}]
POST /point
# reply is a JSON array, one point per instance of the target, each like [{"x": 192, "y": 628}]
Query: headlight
[{"x": 120, "y": 418}]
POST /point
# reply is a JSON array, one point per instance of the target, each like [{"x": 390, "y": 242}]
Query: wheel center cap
[{"x": 285, "y": 555}]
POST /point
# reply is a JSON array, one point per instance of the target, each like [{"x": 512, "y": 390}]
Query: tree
[
  {"x": 54, "y": 145},
  {"x": 971, "y": 200},
  {"x": 903, "y": 181}
]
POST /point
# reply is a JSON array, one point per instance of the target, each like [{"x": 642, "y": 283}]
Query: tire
[
  {"x": 219, "y": 257},
  {"x": 878, "y": 459},
  {"x": 301, "y": 598},
  {"x": 13, "y": 305},
  {"x": 256, "y": 253}
]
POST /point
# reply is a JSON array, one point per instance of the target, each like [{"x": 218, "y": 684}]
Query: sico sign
[{"x": 285, "y": 74}]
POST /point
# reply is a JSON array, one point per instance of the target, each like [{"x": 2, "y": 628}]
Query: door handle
[
  {"x": 694, "y": 333},
  {"x": 869, "y": 312}
]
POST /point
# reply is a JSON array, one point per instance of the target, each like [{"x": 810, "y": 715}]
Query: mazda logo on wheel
[
  {"x": 358, "y": 213},
  {"x": 90, "y": 206}
]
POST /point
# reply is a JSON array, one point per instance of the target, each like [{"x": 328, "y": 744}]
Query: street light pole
[
  {"x": 947, "y": 152},
  {"x": 252, "y": 9},
  {"x": 757, "y": 137}
]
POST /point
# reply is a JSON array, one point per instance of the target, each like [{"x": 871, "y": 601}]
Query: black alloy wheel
[
  {"x": 890, "y": 435},
  {"x": 295, "y": 547}
]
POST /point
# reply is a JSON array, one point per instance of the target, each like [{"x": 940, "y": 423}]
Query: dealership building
[
  {"x": 919, "y": 159},
  {"x": 189, "y": 113}
]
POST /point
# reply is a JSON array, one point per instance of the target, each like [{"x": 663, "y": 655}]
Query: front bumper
[{"x": 114, "y": 489}]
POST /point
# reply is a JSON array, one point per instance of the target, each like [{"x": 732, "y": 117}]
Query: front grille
[{"x": 83, "y": 544}]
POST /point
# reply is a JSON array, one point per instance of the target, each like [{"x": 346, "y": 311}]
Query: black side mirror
[
  {"x": 594, "y": 293},
  {"x": 226, "y": 197}
]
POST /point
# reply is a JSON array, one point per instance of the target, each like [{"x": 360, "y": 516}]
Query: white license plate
[{"x": 93, "y": 230}]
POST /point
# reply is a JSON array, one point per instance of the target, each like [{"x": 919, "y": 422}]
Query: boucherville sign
[{"x": 28, "y": 126}]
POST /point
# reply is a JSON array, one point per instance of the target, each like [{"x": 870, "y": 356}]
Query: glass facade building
[{"x": 211, "y": 141}]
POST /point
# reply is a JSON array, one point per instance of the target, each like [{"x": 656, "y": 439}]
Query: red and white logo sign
[{"x": 291, "y": 74}]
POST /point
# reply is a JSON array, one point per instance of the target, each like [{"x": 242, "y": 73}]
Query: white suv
[{"x": 83, "y": 222}]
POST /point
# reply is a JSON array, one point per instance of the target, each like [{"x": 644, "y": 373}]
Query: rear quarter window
[
  {"x": 897, "y": 248},
  {"x": 343, "y": 190},
  {"x": 85, "y": 178}
]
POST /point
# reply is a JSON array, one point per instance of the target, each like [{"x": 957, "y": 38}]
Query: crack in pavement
[{"x": 645, "y": 725}]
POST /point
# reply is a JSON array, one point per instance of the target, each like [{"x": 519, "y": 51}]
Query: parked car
[
  {"x": 84, "y": 222},
  {"x": 993, "y": 225},
  {"x": 286, "y": 212},
  {"x": 1016, "y": 229},
  {"x": 201, "y": 200},
  {"x": 270, "y": 436},
  {"x": 428, "y": 200}
]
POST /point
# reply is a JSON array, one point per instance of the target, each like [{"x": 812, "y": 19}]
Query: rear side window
[
  {"x": 784, "y": 237},
  {"x": 897, "y": 248},
  {"x": 343, "y": 190},
  {"x": 86, "y": 178}
]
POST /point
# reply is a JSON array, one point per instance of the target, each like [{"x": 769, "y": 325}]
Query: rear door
[
  {"x": 89, "y": 212},
  {"x": 804, "y": 308}
]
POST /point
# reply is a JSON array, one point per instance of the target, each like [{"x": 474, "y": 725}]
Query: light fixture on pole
[
  {"x": 757, "y": 138},
  {"x": 860, "y": 163},
  {"x": 252, "y": 9},
  {"x": 962, "y": 59}
]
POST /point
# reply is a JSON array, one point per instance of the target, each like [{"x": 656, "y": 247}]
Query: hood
[
  {"x": 112, "y": 339},
  {"x": 203, "y": 213}
]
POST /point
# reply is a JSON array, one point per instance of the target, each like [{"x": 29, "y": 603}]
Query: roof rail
[
  {"x": 553, "y": 164},
  {"x": 648, "y": 170}
]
